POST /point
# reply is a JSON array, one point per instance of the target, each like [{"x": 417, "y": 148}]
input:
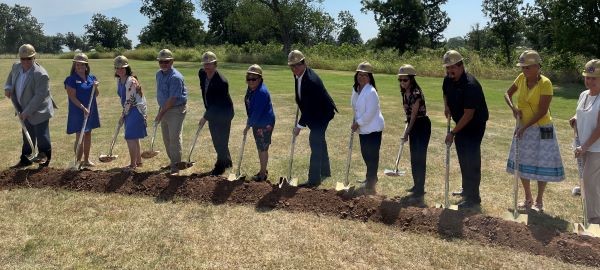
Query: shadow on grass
[
  {"x": 543, "y": 227},
  {"x": 223, "y": 190},
  {"x": 270, "y": 200},
  {"x": 167, "y": 194},
  {"x": 390, "y": 209}
]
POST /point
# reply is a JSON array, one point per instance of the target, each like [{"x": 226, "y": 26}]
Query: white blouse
[
  {"x": 367, "y": 112},
  {"x": 588, "y": 108}
]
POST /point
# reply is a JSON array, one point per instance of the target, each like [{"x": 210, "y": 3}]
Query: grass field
[{"x": 43, "y": 228}]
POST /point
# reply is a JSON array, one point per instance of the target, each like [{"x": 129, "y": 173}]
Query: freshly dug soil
[{"x": 536, "y": 239}]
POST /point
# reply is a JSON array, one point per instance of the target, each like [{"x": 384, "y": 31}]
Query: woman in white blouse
[
  {"x": 587, "y": 123},
  {"x": 368, "y": 122}
]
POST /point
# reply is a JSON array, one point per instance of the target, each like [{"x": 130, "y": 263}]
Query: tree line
[{"x": 559, "y": 26}]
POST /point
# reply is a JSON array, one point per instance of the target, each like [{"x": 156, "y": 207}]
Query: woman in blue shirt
[
  {"x": 134, "y": 109},
  {"x": 260, "y": 117},
  {"x": 79, "y": 85}
]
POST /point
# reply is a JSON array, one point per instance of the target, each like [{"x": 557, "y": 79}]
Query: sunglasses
[
  {"x": 296, "y": 65},
  {"x": 164, "y": 61},
  {"x": 117, "y": 68},
  {"x": 403, "y": 80},
  {"x": 251, "y": 79},
  {"x": 26, "y": 58}
]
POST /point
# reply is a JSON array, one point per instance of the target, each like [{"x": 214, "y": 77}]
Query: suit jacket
[
  {"x": 36, "y": 101},
  {"x": 315, "y": 103},
  {"x": 216, "y": 98}
]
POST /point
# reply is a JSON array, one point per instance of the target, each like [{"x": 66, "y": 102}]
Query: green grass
[{"x": 496, "y": 186}]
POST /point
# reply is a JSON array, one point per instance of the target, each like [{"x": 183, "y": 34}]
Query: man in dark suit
[
  {"x": 317, "y": 109},
  {"x": 28, "y": 88},
  {"x": 219, "y": 110}
]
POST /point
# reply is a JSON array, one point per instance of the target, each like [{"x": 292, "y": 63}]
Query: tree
[
  {"x": 399, "y": 22},
  {"x": 18, "y": 26},
  {"x": 456, "y": 42},
  {"x": 348, "y": 33},
  {"x": 505, "y": 22},
  {"x": 217, "y": 12},
  {"x": 481, "y": 39},
  {"x": 437, "y": 21},
  {"x": 74, "y": 42},
  {"x": 171, "y": 21},
  {"x": 108, "y": 33}
]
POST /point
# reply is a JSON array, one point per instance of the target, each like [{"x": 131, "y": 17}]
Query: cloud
[{"x": 58, "y": 8}]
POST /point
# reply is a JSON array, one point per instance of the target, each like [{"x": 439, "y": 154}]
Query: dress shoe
[
  {"x": 260, "y": 177},
  {"x": 309, "y": 185},
  {"x": 467, "y": 205},
  {"x": 22, "y": 164},
  {"x": 39, "y": 158}
]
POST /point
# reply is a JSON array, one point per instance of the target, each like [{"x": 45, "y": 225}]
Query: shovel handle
[
  {"x": 26, "y": 133},
  {"x": 85, "y": 119},
  {"x": 577, "y": 143},
  {"x": 349, "y": 160},
  {"x": 293, "y": 146},
  {"x": 447, "y": 180},
  {"x": 517, "y": 172},
  {"x": 239, "y": 165},
  {"x": 194, "y": 142}
]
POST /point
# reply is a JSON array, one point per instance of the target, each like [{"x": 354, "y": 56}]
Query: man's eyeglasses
[
  {"x": 26, "y": 58},
  {"x": 403, "y": 80},
  {"x": 296, "y": 65},
  {"x": 251, "y": 79}
]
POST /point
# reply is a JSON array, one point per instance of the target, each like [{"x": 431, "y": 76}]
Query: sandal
[
  {"x": 525, "y": 205},
  {"x": 538, "y": 207},
  {"x": 129, "y": 169},
  {"x": 88, "y": 164}
]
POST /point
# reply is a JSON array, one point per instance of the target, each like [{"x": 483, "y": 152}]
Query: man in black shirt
[{"x": 465, "y": 103}]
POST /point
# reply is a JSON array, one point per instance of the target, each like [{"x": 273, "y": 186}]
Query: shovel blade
[
  {"x": 592, "y": 229},
  {"x": 149, "y": 154},
  {"x": 107, "y": 158},
  {"x": 234, "y": 177},
  {"x": 339, "y": 186},
  {"x": 283, "y": 181},
  {"x": 451, "y": 206},
  {"x": 519, "y": 218},
  {"x": 390, "y": 172}
]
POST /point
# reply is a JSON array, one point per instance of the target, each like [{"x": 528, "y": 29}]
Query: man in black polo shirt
[{"x": 465, "y": 103}]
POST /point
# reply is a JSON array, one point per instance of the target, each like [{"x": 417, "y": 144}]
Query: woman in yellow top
[{"x": 539, "y": 155}]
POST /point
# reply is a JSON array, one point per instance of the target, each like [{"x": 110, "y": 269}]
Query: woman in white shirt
[
  {"x": 587, "y": 122},
  {"x": 368, "y": 122}
]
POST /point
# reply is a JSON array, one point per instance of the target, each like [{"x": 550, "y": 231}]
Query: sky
[{"x": 62, "y": 16}]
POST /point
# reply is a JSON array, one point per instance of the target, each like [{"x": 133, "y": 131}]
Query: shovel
[
  {"x": 583, "y": 228},
  {"x": 28, "y": 137},
  {"x": 289, "y": 180},
  {"x": 182, "y": 165},
  {"x": 446, "y": 204},
  {"x": 345, "y": 186},
  {"x": 396, "y": 172},
  {"x": 151, "y": 153},
  {"x": 76, "y": 165},
  {"x": 238, "y": 175},
  {"x": 110, "y": 157},
  {"x": 514, "y": 215}
]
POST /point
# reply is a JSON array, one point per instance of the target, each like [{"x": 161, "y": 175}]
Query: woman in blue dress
[
  {"x": 79, "y": 85},
  {"x": 134, "y": 109}
]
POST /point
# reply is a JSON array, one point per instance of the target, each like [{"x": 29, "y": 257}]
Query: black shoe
[
  {"x": 164, "y": 168},
  {"x": 259, "y": 178},
  {"x": 309, "y": 185},
  {"x": 40, "y": 158},
  {"x": 217, "y": 171},
  {"x": 467, "y": 204},
  {"x": 458, "y": 192},
  {"x": 412, "y": 189},
  {"x": 22, "y": 164}
]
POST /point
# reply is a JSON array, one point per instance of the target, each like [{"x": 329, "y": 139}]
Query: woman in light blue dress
[
  {"x": 79, "y": 85},
  {"x": 134, "y": 109}
]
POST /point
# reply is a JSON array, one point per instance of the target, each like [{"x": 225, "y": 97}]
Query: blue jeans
[
  {"x": 319, "y": 157},
  {"x": 40, "y": 136},
  {"x": 468, "y": 150},
  {"x": 419, "y": 141}
]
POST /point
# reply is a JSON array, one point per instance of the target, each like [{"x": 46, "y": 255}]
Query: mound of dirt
[{"x": 534, "y": 238}]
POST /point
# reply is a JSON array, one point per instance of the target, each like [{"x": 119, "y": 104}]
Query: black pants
[
  {"x": 418, "y": 139},
  {"x": 369, "y": 148},
  {"x": 468, "y": 149},
  {"x": 319, "y": 157},
  {"x": 219, "y": 133},
  {"x": 40, "y": 136}
]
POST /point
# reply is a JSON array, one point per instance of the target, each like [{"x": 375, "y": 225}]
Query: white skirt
[{"x": 539, "y": 155}]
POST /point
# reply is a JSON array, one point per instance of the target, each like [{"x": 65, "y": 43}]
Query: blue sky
[{"x": 62, "y": 16}]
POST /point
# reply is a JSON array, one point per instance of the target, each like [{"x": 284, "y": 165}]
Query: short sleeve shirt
[
  {"x": 466, "y": 93},
  {"x": 408, "y": 100},
  {"x": 529, "y": 99}
]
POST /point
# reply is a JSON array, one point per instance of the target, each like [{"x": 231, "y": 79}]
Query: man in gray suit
[{"x": 28, "y": 88}]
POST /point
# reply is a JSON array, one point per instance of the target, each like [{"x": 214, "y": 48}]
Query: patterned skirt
[{"x": 539, "y": 155}]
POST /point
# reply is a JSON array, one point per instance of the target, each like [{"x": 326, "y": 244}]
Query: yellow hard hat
[
  {"x": 80, "y": 58},
  {"x": 209, "y": 57},
  {"x": 26, "y": 50},
  {"x": 255, "y": 69},
  {"x": 121, "y": 62},
  {"x": 452, "y": 57},
  {"x": 528, "y": 58},
  {"x": 165, "y": 54},
  {"x": 407, "y": 70},
  {"x": 295, "y": 57},
  {"x": 365, "y": 67},
  {"x": 592, "y": 69}
]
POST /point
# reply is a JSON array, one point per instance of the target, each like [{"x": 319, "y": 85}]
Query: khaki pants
[
  {"x": 591, "y": 182},
  {"x": 171, "y": 126}
]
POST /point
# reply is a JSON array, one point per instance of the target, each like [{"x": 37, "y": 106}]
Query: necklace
[{"x": 591, "y": 103}]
